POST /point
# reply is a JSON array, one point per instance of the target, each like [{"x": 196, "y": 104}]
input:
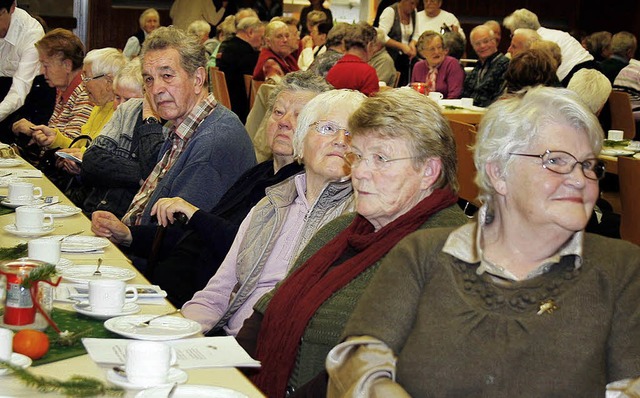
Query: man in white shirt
[
  {"x": 18, "y": 55},
  {"x": 574, "y": 56},
  {"x": 433, "y": 17}
]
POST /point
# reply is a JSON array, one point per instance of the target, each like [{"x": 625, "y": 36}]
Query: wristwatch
[{"x": 150, "y": 120}]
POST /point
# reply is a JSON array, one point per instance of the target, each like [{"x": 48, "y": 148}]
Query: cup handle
[
  {"x": 174, "y": 357},
  {"x": 37, "y": 195},
  {"x": 135, "y": 294},
  {"x": 50, "y": 223}
]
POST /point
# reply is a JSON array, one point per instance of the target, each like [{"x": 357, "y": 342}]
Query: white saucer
[
  {"x": 58, "y": 210},
  {"x": 7, "y": 179},
  {"x": 6, "y": 202},
  {"x": 63, "y": 264},
  {"x": 615, "y": 152},
  {"x": 175, "y": 376},
  {"x": 85, "y": 309},
  {"x": 17, "y": 360},
  {"x": 190, "y": 391},
  {"x": 11, "y": 228},
  {"x": 9, "y": 162},
  {"x": 39, "y": 324}
]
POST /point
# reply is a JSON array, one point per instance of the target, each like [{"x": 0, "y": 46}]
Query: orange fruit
[{"x": 32, "y": 343}]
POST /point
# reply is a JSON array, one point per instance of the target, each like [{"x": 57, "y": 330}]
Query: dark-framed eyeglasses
[
  {"x": 562, "y": 162},
  {"x": 374, "y": 160},
  {"x": 329, "y": 128},
  {"x": 86, "y": 80}
]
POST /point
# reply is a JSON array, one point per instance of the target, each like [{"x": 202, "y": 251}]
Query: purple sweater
[{"x": 450, "y": 78}]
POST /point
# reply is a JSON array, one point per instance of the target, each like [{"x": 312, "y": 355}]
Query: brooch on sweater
[{"x": 547, "y": 306}]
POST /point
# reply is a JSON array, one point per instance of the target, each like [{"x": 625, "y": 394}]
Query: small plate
[
  {"x": 85, "y": 309},
  {"x": 165, "y": 328},
  {"x": 9, "y": 162},
  {"x": 190, "y": 391},
  {"x": 175, "y": 376},
  {"x": 58, "y": 211},
  {"x": 82, "y": 244},
  {"x": 11, "y": 228},
  {"x": 84, "y": 273},
  {"x": 63, "y": 264},
  {"x": 616, "y": 152},
  {"x": 17, "y": 360},
  {"x": 6, "y": 202},
  {"x": 632, "y": 148}
]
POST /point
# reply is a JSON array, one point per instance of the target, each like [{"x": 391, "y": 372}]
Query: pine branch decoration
[
  {"x": 42, "y": 273},
  {"x": 12, "y": 253},
  {"x": 75, "y": 386}
]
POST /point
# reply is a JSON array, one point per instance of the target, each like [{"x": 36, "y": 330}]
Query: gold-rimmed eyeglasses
[{"x": 562, "y": 162}]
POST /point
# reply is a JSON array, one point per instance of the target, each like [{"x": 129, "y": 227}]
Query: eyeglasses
[
  {"x": 327, "y": 127},
  {"x": 375, "y": 160},
  {"x": 562, "y": 162},
  {"x": 86, "y": 80},
  {"x": 434, "y": 49}
]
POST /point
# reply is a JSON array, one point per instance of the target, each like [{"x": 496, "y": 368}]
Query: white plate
[
  {"x": 82, "y": 244},
  {"x": 84, "y": 273},
  {"x": 11, "y": 228},
  {"x": 175, "y": 376},
  {"x": 85, "y": 309},
  {"x": 17, "y": 360},
  {"x": 616, "y": 152},
  {"x": 6, "y": 180},
  {"x": 8, "y": 162},
  {"x": 6, "y": 202},
  {"x": 632, "y": 148},
  {"x": 63, "y": 264},
  {"x": 165, "y": 328},
  {"x": 190, "y": 391},
  {"x": 61, "y": 210}
]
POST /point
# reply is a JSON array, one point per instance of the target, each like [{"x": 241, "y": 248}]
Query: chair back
[
  {"x": 396, "y": 80},
  {"x": 629, "y": 175},
  {"x": 218, "y": 86},
  {"x": 621, "y": 114},
  {"x": 465, "y": 137}
]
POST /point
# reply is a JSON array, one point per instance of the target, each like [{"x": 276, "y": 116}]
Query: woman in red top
[{"x": 275, "y": 59}]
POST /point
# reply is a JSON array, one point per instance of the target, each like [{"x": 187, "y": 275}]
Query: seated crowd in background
[{"x": 308, "y": 208}]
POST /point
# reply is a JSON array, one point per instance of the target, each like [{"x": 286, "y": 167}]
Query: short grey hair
[
  {"x": 514, "y": 123},
  {"x": 192, "y": 53},
  {"x": 622, "y": 42},
  {"x": 199, "y": 27},
  {"x": 274, "y": 26},
  {"x": 130, "y": 76},
  {"x": 401, "y": 113},
  {"x": 106, "y": 61},
  {"x": 247, "y": 23},
  {"x": 336, "y": 35},
  {"x": 521, "y": 18},
  {"x": 529, "y": 35},
  {"x": 146, "y": 14},
  {"x": 317, "y": 108},
  {"x": 592, "y": 87},
  {"x": 426, "y": 37},
  {"x": 298, "y": 81}
]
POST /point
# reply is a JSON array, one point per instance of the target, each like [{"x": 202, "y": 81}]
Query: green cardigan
[
  {"x": 325, "y": 328},
  {"x": 459, "y": 334}
]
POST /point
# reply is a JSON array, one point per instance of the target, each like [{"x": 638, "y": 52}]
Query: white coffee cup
[
  {"x": 108, "y": 296},
  {"x": 29, "y": 218},
  {"x": 436, "y": 96},
  {"x": 45, "y": 249},
  {"x": 23, "y": 192},
  {"x": 466, "y": 102},
  {"x": 615, "y": 135},
  {"x": 6, "y": 344},
  {"x": 148, "y": 363}
]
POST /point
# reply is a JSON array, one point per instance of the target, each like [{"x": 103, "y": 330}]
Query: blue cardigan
[{"x": 218, "y": 153}]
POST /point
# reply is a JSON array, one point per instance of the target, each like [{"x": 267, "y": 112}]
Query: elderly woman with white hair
[
  {"x": 149, "y": 21},
  {"x": 281, "y": 224},
  {"x": 275, "y": 59},
  {"x": 98, "y": 71},
  {"x": 520, "y": 303},
  {"x": 404, "y": 173}
]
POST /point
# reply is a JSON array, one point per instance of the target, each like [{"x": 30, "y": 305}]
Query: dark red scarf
[{"x": 302, "y": 293}]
